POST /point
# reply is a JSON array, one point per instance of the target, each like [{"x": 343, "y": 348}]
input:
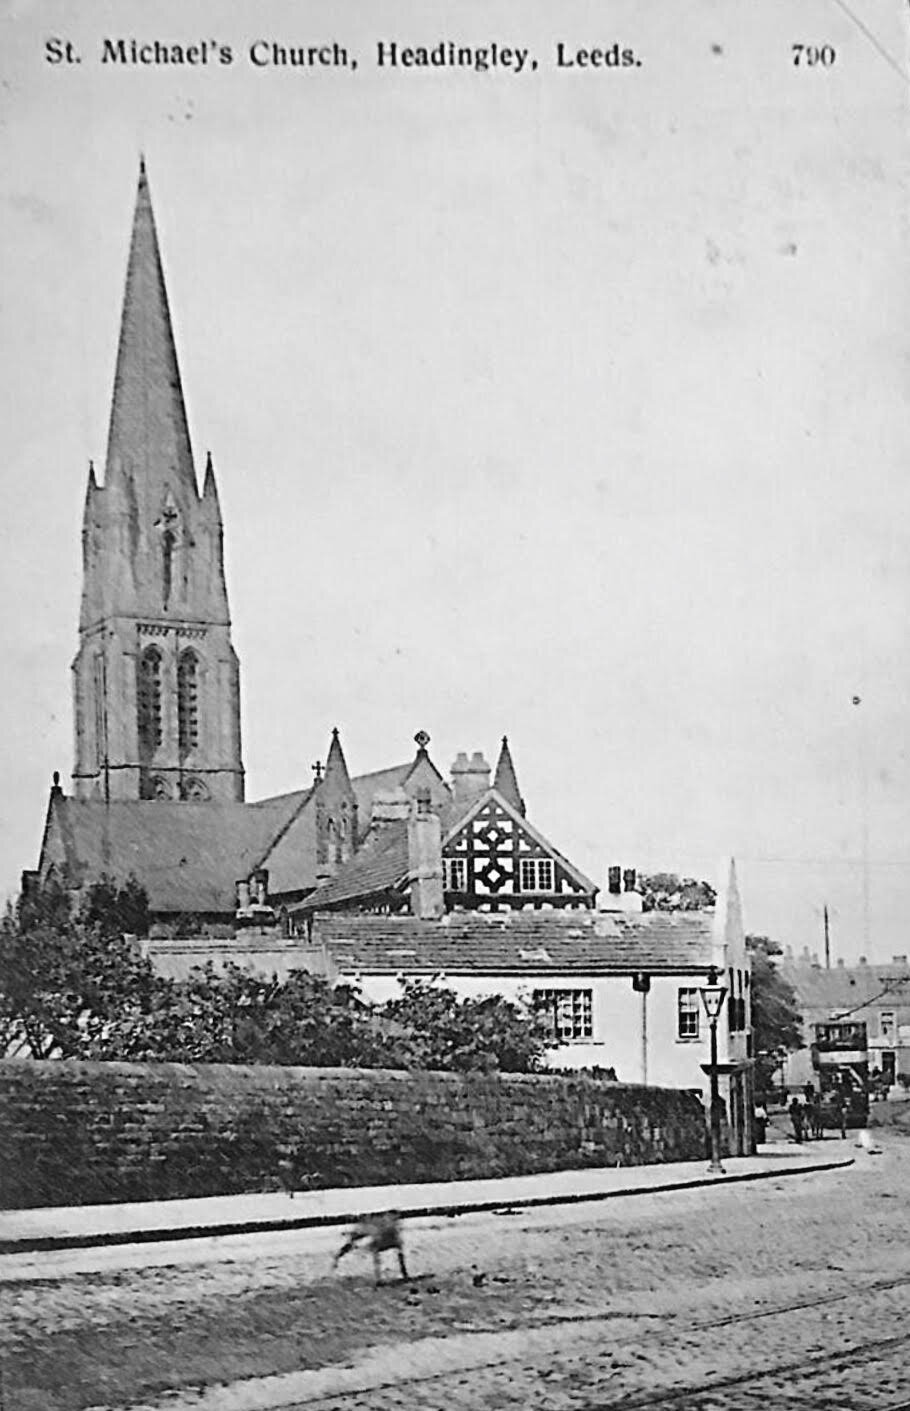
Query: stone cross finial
[
  {"x": 317, "y": 772},
  {"x": 422, "y": 739}
]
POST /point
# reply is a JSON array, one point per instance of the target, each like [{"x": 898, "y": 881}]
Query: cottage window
[
  {"x": 455, "y": 874},
  {"x": 688, "y": 1014},
  {"x": 568, "y": 1014},
  {"x": 886, "y": 1025},
  {"x": 536, "y": 874}
]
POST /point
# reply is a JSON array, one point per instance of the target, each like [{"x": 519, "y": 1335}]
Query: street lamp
[{"x": 712, "y": 997}]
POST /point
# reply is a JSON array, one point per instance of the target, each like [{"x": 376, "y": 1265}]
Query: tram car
[{"x": 840, "y": 1060}]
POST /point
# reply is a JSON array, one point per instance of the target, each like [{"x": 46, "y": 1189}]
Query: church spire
[
  {"x": 149, "y": 438},
  {"x": 157, "y": 691},
  {"x": 505, "y": 780}
]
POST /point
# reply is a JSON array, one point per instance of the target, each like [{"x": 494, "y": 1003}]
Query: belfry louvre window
[
  {"x": 187, "y": 702},
  {"x": 148, "y": 700},
  {"x": 454, "y": 874},
  {"x": 688, "y": 1016},
  {"x": 568, "y": 1014},
  {"x": 536, "y": 874}
]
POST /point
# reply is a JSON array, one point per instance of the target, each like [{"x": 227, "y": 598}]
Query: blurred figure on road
[
  {"x": 379, "y": 1232},
  {"x": 839, "y": 1111},
  {"x": 797, "y": 1117}
]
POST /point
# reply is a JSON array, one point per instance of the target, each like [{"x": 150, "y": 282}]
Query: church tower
[{"x": 156, "y": 679}]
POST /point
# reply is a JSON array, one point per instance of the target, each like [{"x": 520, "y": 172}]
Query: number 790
[{"x": 811, "y": 56}]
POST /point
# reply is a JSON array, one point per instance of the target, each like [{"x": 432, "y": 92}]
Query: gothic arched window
[
  {"x": 187, "y": 701},
  {"x": 148, "y": 697}
]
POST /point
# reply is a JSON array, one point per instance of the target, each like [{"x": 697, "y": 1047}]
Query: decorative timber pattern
[{"x": 496, "y": 859}]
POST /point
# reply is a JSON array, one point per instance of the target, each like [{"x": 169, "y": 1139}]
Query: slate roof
[
  {"x": 379, "y": 865},
  {"x": 291, "y": 854},
  {"x": 848, "y": 987},
  {"x": 523, "y": 942},
  {"x": 188, "y": 856}
]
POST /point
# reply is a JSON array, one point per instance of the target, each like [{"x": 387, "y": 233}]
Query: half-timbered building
[{"x": 470, "y": 848}]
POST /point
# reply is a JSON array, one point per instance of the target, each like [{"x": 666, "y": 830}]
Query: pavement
[{"x": 89, "y": 1226}]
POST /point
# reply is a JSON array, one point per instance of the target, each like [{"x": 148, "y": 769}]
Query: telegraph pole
[
  {"x": 827, "y": 941},
  {"x": 864, "y": 808}
]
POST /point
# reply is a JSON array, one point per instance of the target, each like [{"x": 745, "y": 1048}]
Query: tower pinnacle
[{"x": 505, "y": 780}]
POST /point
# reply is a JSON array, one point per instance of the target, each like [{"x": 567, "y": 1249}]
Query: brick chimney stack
[
  {"x": 470, "y": 777},
  {"x": 622, "y": 892},
  {"x": 425, "y": 860}
]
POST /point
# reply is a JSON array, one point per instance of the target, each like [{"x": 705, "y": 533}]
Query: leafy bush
[{"x": 72, "y": 986}]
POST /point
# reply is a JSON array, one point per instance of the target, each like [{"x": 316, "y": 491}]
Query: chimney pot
[{"x": 260, "y": 886}]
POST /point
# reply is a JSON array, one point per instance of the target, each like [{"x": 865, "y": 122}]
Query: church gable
[{"x": 495, "y": 858}]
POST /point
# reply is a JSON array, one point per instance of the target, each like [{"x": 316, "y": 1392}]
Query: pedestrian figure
[
  {"x": 797, "y": 1116},
  {"x": 839, "y": 1112},
  {"x": 761, "y": 1123},
  {"x": 809, "y": 1117},
  {"x": 380, "y": 1232},
  {"x": 814, "y": 1118}
]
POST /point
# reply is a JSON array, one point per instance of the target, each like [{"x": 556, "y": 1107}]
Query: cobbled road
[{"x": 774, "y": 1294}]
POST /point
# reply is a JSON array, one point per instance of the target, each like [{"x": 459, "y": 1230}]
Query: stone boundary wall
[{"x": 90, "y": 1133}]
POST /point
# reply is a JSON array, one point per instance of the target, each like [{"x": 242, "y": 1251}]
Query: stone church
[
  {"x": 158, "y": 780},
  {"x": 366, "y": 878}
]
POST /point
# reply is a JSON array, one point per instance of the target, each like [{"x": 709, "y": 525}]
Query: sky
[{"x": 568, "y": 404}]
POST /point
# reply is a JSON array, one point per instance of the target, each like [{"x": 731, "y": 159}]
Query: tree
[
  {"x": 116, "y": 910},
  {"x": 776, "y": 1017},
  {"x": 73, "y": 986},
  {"x": 665, "y": 891},
  {"x": 67, "y": 982},
  {"x": 428, "y": 1026}
]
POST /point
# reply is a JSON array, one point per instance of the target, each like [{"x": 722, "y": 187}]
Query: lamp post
[
  {"x": 712, "y": 997},
  {"x": 641, "y": 984}
]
